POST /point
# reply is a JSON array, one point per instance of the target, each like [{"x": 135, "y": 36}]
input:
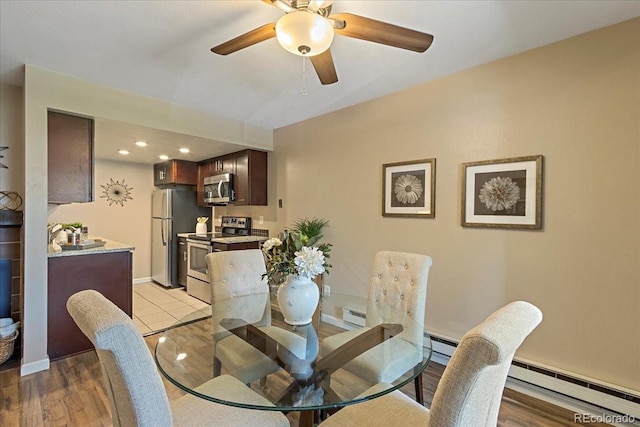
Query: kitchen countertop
[
  {"x": 110, "y": 246},
  {"x": 229, "y": 239},
  {"x": 239, "y": 239}
]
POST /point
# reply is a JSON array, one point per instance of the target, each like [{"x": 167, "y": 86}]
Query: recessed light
[
  {"x": 184, "y": 150},
  {"x": 164, "y": 157},
  {"x": 123, "y": 152},
  {"x": 141, "y": 143}
]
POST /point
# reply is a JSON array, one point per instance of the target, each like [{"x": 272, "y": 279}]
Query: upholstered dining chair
[
  {"x": 234, "y": 274},
  {"x": 470, "y": 390},
  {"x": 397, "y": 294},
  {"x": 137, "y": 396}
]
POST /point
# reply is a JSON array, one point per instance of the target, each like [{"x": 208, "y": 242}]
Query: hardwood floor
[{"x": 71, "y": 394}]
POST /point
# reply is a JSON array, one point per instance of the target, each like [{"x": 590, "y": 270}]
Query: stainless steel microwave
[{"x": 219, "y": 189}]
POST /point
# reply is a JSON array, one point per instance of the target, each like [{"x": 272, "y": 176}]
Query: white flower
[
  {"x": 408, "y": 189},
  {"x": 310, "y": 261},
  {"x": 271, "y": 243},
  {"x": 499, "y": 193}
]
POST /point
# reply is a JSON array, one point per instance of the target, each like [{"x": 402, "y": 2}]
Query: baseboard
[
  {"x": 141, "y": 280},
  {"x": 33, "y": 367}
]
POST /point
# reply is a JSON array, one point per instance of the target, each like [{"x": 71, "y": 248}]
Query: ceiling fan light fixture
[
  {"x": 304, "y": 33},
  {"x": 320, "y": 4}
]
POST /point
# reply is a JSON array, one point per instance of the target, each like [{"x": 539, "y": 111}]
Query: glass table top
[{"x": 310, "y": 374}]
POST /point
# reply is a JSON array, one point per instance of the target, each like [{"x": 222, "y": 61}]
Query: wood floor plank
[{"x": 71, "y": 393}]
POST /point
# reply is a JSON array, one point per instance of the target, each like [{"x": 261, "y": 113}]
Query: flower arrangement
[{"x": 296, "y": 254}]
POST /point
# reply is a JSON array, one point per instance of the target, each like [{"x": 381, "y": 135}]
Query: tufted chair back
[
  {"x": 237, "y": 273},
  {"x": 234, "y": 274},
  {"x": 398, "y": 292},
  {"x": 136, "y": 394}
]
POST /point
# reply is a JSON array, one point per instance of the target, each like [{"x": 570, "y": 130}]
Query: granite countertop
[
  {"x": 228, "y": 239},
  {"x": 110, "y": 246},
  {"x": 239, "y": 239}
]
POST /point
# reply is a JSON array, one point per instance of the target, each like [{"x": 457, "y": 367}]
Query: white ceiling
[{"x": 161, "y": 49}]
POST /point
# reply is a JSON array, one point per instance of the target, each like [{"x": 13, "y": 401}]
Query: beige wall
[
  {"x": 130, "y": 223},
  {"x": 12, "y": 136},
  {"x": 575, "y": 102}
]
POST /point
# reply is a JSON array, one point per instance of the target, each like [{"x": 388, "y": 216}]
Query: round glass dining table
[{"x": 304, "y": 378}]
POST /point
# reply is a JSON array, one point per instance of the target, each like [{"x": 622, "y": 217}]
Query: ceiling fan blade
[
  {"x": 371, "y": 30},
  {"x": 258, "y": 35},
  {"x": 323, "y": 64}
]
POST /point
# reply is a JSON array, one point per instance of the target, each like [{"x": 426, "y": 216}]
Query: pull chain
[{"x": 303, "y": 91}]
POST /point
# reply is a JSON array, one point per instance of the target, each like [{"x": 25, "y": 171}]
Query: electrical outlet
[
  {"x": 260, "y": 220},
  {"x": 327, "y": 290}
]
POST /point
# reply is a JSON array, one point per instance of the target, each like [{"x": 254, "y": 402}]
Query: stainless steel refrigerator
[{"x": 174, "y": 211}]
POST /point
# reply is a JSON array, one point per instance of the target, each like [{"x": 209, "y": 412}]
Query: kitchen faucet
[{"x": 54, "y": 229}]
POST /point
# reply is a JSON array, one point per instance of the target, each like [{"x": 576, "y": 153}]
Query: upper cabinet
[
  {"x": 70, "y": 158},
  {"x": 250, "y": 172},
  {"x": 251, "y": 178},
  {"x": 221, "y": 165},
  {"x": 175, "y": 172}
]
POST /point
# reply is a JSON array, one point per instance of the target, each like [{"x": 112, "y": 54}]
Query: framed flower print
[
  {"x": 409, "y": 189},
  {"x": 505, "y": 193}
]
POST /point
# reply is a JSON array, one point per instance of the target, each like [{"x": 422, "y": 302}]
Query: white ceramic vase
[
  {"x": 298, "y": 299},
  {"x": 201, "y": 228}
]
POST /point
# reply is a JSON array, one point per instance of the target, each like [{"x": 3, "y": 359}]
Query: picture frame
[
  {"x": 504, "y": 193},
  {"x": 409, "y": 189}
]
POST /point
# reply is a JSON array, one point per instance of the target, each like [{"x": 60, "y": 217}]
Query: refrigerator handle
[
  {"x": 163, "y": 209},
  {"x": 164, "y": 224}
]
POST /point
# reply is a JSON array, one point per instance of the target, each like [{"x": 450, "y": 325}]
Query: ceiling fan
[{"x": 307, "y": 29}]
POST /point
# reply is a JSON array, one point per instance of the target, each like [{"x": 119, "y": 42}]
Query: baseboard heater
[
  {"x": 355, "y": 316},
  {"x": 582, "y": 389},
  {"x": 620, "y": 401}
]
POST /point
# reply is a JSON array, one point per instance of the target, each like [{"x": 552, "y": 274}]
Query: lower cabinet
[
  {"x": 183, "y": 262},
  {"x": 108, "y": 273}
]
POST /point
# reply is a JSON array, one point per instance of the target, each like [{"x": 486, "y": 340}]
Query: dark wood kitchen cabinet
[
  {"x": 108, "y": 273},
  {"x": 183, "y": 265},
  {"x": 250, "y": 176},
  {"x": 175, "y": 172},
  {"x": 70, "y": 158}
]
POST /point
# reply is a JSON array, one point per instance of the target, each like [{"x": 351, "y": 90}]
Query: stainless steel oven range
[{"x": 199, "y": 245}]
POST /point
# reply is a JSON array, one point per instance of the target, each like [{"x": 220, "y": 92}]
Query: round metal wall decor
[{"x": 116, "y": 192}]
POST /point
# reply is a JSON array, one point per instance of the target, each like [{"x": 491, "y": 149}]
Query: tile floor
[{"x": 155, "y": 307}]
